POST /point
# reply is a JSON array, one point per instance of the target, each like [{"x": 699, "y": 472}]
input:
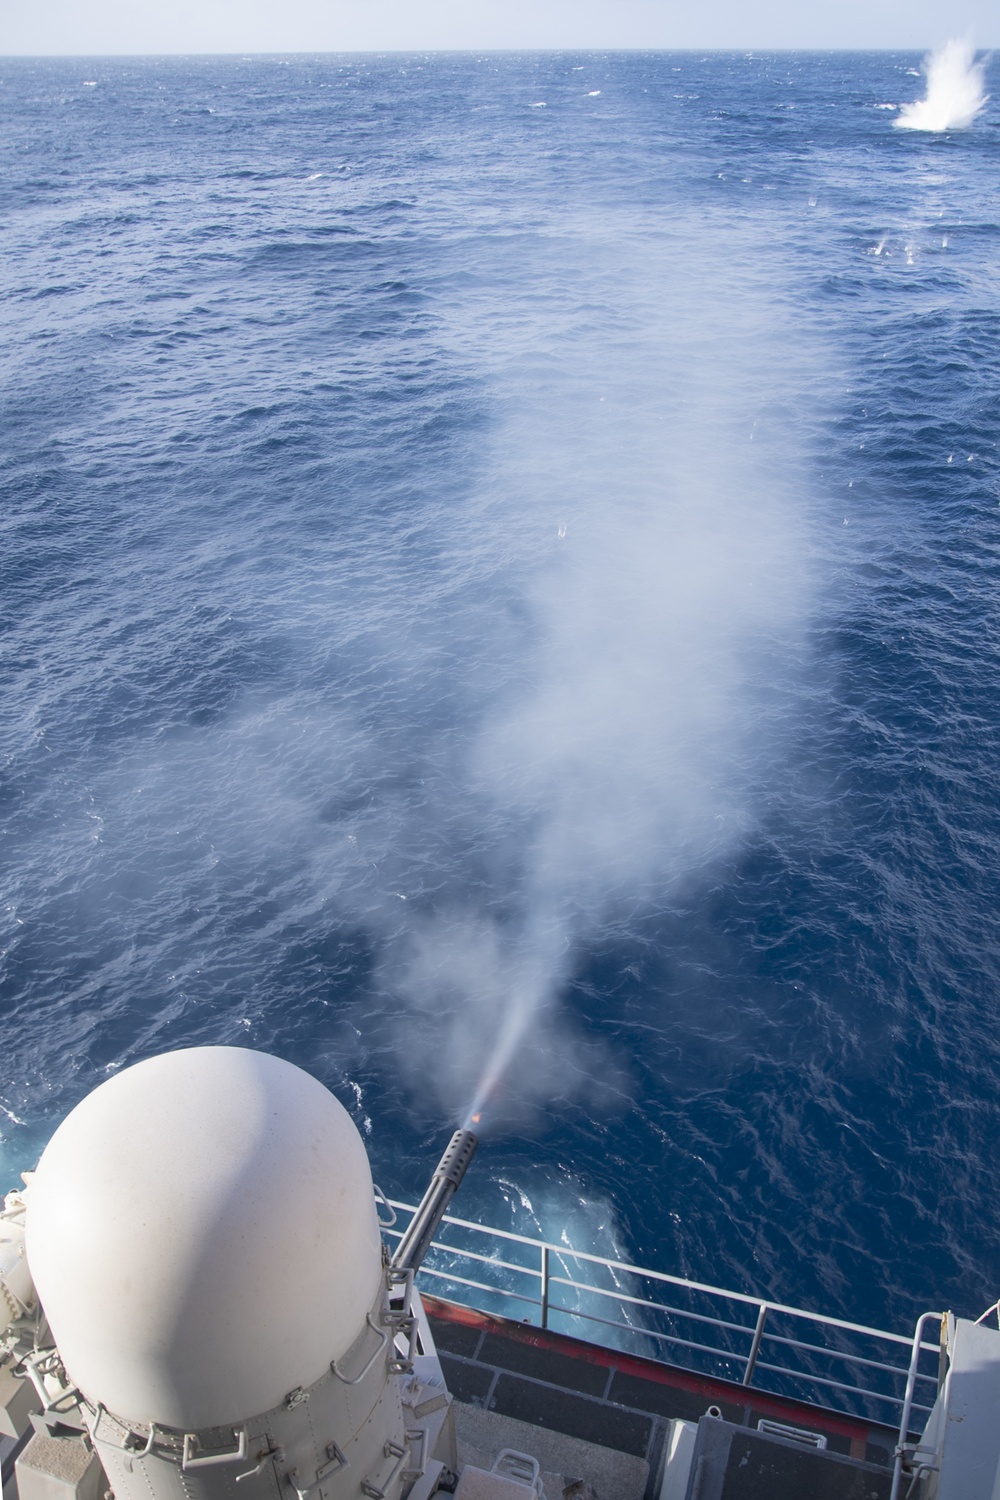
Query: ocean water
[{"x": 501, "y": 559}]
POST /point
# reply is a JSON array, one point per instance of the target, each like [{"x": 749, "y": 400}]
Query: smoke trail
[
  {"x": 955, "y": 90},
  {"x": 547, "y": 705},
  {"x": 632, "y": 749}
]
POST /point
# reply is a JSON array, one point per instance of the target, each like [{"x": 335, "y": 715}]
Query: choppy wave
[{"x": 450, "y": 543}]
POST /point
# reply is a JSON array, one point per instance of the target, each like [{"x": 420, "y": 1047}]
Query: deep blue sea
[{"x": 505, "y": 551}]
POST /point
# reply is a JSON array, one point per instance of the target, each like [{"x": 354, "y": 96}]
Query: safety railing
[{"x": 830, "y": 1362}]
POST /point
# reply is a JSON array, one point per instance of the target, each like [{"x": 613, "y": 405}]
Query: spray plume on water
[{"x": 955, "y": 90}]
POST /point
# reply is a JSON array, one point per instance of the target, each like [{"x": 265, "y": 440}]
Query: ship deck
[{"x": 595, "y": 1414}]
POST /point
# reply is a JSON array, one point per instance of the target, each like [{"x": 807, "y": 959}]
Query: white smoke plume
[
  {"x": 528, "y": 713},
  {"x": 640, "y": 732}
]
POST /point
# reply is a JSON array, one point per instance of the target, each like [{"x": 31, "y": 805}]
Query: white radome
[{"x": 202, "y": 1235}]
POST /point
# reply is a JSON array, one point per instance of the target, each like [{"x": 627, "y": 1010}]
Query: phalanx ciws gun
[{"x": 443, "y": 1185}]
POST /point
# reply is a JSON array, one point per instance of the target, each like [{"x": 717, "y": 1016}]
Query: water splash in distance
[{"x": 955, "y": 90}]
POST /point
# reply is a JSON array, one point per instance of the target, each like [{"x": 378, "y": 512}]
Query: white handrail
[
  {"x": 764, "y": 1310},
  {"x": 632, "y": 1270},
  {"x": 908, "y": 1401}
]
